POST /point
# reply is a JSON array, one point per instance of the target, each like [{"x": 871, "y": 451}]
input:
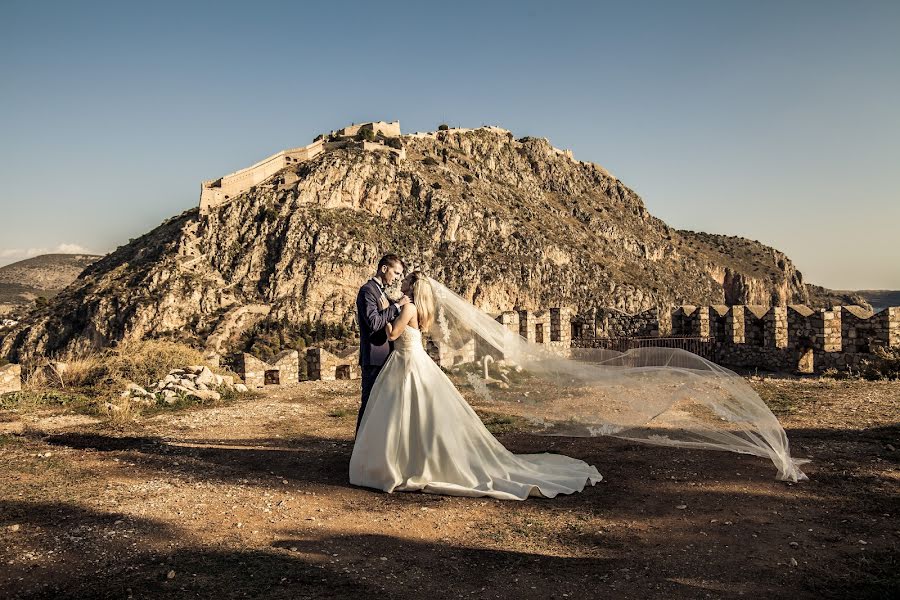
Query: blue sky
[{"x": 777, "y": 121}]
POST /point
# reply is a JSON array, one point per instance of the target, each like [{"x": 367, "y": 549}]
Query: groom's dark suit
[{"x": 374, "y": 346}]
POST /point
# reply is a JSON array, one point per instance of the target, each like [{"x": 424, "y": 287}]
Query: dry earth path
[{"x": 251, "y": 500}]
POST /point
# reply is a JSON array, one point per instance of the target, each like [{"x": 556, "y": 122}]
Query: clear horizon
[{"x": 777, "y": 122}]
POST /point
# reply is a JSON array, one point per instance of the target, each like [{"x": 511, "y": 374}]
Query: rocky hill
[
  {"x": 768, "y": 268},
  {"x": 508, "y": 223},
  {"x": 44, "y": 276},
  {"x": 879, "y": 299}
]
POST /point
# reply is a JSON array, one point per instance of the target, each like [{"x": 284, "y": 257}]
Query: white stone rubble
[{"x": 195, "y": 381}]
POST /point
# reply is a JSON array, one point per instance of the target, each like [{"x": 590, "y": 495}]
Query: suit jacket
[{"x": 374, "y": 346}]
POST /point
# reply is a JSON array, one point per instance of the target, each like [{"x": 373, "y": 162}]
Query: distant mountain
[
  {"x": 42, "y": 276},
  {"x": 821, "y": 297},
  {"x": 880, "y": 299}
]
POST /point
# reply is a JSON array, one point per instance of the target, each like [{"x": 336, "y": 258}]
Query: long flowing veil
[{"x": 653, "y": 395}]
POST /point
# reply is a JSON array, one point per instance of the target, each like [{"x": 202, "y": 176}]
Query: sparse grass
[
  {"x": 9, "y": 441},
  {"x": 341, "y": 413},
  {"x": 30, "y": 399},
  {"x": 122, "y": 411},
  {"x": 782, "y": 401},
  {"x": 146, "y": 362},
  {"x": 92, "y": 382},
  {"x": 500, "y": 423}
]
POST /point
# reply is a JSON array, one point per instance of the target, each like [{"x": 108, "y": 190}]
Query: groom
[{"x": 373, "y": 311}]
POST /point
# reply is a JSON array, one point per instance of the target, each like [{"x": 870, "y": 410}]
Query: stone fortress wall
[
  {"x": 215, "y": 192},
  {"x": 777, "y": 338}
]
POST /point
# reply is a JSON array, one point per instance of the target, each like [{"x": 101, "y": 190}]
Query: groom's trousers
[{"x": 369, "y": 374}]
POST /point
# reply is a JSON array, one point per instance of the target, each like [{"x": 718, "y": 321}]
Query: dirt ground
[{"x": 251, "y": 500}]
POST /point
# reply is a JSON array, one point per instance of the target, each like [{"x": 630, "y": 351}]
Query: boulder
[
  {"x": 137, "y": 390},
  {"x": 10, "y": 378},
  {"x": 206, "y": 377},
  {"x": 205, "y": 395}
]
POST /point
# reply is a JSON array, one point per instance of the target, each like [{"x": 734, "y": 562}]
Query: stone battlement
[
  {"x": 285, "y": 368},
  {"x": 776, "y": 337}
]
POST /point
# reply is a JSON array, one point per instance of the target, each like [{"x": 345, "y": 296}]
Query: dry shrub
[
  {"x": 98, "y": 377},
  {"x": 80, "y": 371},
  {"x": 884, "y": 365},
  {"x": 146, "y": 362},
  {"x": 122, "y": 411},
  {"x": 142, "y": 362}
]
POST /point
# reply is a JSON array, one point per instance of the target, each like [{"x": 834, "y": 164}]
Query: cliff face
[{"x": 508, "y": 223}]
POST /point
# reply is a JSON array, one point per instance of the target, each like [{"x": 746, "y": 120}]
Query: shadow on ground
[{"x": 733, "y": 537}]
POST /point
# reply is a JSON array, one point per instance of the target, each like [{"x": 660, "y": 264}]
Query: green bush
[
  {"x": 430, "y": 161},
  {"x": 468, "y": 178},
  {"x": 365, "y": 135},
  {"x": 443, "y": 127},
  {"x": 394, "y": 143}
]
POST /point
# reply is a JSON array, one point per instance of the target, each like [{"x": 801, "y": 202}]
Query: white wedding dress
[{"x": 419, "y": 433}]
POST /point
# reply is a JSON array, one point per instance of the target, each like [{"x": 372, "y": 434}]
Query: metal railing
[{"x": 702, "y": 346}]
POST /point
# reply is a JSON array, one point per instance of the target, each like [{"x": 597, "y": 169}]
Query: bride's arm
[{"x": 395, "y": 328}]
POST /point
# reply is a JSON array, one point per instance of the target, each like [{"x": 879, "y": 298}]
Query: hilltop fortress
[
  {"x": 375, "y": 136},
  {"x": 368, "y": 136}
]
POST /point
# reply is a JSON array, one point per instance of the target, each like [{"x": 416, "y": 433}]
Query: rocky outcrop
[
  {"x": 10, "y": 378},
  {"x": 508, "y": 223},
  {"x": 195, "y": 382},
  {"x": 825, "y": 298}
]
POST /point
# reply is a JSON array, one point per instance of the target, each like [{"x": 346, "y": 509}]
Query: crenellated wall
[
  {"x": 794, "y": 337},
  {"x": 777, "y": 338},
  {"x": 550, "y": 327},
  {"x": 613, "y": 323},
  {"x": 283, "y": 370},
  {"x": 325, "y": 366}
]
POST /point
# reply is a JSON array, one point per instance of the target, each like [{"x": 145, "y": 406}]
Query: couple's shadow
[{"x": 306, "y": 459}]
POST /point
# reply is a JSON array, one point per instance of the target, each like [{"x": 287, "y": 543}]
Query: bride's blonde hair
[{"x": 423, "y": 297}]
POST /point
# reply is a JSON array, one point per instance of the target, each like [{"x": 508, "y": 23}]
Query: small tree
[
  {"x": 443, "y": 127},
  {"x": 365, "y": 135}
]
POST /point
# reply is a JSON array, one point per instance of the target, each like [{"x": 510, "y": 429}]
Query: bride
[{"x": 419, "y": 433}]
